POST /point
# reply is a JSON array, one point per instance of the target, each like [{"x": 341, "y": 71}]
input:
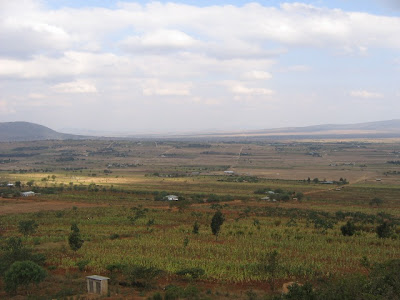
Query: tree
[
  {"x": 216, "y": 223},
  {"x": 384, "y": 230},
  {"x": 74, "y": 239},
  {"x": 23, "y": 273},
  {"x": 27, "y": 227},
  {"x": 196, "y": 228},
  {"x": 349, "y": 229},
  {"x": 14, "y": 251},
  {"x": 30, "y": 183},
  {"x": 18, "y": 184}
]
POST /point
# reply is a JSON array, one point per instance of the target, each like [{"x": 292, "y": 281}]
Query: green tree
[
  {"x": 196, "y": 228},
  {"x": 27, "y": 227},
  {"x": 74, "y": 239},
  {"x": 30, "y": 183},
  {"x": 14, "y": 251},
  {"x": 216, "y": 223},
  {"x": 385, "y": 230},
  {"x": 23, "y": 273},
  {"x": 349, "y": 229}
]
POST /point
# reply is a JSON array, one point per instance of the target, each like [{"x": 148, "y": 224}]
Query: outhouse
[{"x": 97, "y": 284}]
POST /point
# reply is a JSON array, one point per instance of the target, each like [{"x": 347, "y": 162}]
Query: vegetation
[{"x": 337, "y": 239}]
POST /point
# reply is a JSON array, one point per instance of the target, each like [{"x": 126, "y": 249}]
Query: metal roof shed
[{"x": 97, "y": 284}]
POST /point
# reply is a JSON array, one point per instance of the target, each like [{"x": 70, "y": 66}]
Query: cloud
[
  {"x": 161, "y": 41},
  {"x": 5, "y": 108},
  {"x": 154, "y": 87},
  {"x": 257, "y": 75},
  {"x": 243, "y": 90},
  {"x": 365, "y": 94},
  {"x": 75, "y": 87}
]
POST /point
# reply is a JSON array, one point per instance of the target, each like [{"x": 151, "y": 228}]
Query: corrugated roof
[{"x": 97, "y": 277}]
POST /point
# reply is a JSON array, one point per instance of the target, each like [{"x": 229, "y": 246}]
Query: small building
[
  {"x": 28, "y": 194},
  {"x": 378, "y": 179},
  {"x": 97, "y": 284},
  {"x": 265, "y": 198},
  {"x": 271, "y": 192},
  {"x": 229, "y": 172},
  {"x": 10, "y": 185},
  {"x": 172, "y": 198}
]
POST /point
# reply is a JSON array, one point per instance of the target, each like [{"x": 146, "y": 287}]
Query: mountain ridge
[{"x": 26, "y": 131}]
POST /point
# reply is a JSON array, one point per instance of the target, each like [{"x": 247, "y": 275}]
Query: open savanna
[{"x": 102, "y": 185}]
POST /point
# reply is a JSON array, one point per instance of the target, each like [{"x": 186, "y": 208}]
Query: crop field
[{"x": 284, "y": 206}]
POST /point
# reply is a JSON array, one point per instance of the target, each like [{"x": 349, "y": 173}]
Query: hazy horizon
[{"x": 181, "y": 66}]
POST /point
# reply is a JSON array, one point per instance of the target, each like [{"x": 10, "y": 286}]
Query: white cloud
[
  {"x": 162, "y": 40},
  {"x": 154, "y": 87},
  {"x": 243, "y": 90},
  {"x": 79, "y": 86},
  {"x": 365, "y": 94},
  {"x": 5, "y": 108},
  {"x": 257, "y": 75}
]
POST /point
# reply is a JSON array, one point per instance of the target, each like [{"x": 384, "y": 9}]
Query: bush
[
  {"x": 173, "y": 292},
  {"x": 14, "y": 251},
  {"x": 82, "y": 264},
  {"x": 300, "y": 292},
  {"x": 349, "y": 229},
  {"x": 23, "y": 273},
  {"x": 385, "y": 230},
  {"x": 114, "y": 236},
  {"x": 141, "y": 276},
  {"x": 192, "y": 272},
  {"x": 27, "y": 227}
]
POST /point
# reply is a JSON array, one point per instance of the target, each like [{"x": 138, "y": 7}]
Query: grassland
[{"x": 101, "y": 185}]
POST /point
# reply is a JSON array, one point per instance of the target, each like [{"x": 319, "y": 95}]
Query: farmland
[{"x": 113, "y": 191}]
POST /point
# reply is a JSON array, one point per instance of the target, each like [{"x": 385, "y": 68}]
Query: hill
[{"x": 25, "y": 131}]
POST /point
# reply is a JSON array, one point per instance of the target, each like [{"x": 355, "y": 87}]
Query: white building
[
  {"x": 172, "y": 198},
  {"x": 27, "y": 194}
]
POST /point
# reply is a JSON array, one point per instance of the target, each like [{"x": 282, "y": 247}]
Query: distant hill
[
  {"x": 25, "y": 131},
  {"x": 379, "y": 129}
]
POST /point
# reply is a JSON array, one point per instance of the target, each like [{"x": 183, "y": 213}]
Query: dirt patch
[{"x": 14, "y": 206}]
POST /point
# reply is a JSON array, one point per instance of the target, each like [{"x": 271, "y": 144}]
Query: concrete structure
[
  {"x": 229, "y": 172},
  {"x": 97, "y": 284},
  {"x": 172, "y": 198},
  {"x": 28, "y": 194}
]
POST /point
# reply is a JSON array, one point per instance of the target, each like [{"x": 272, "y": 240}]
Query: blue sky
[
  {"x": 139, "y": 66},
  {"x": 386, "y": 7}
]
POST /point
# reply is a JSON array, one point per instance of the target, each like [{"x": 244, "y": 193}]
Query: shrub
[
  {"x": 15, "y": 251},
  {"x": 82, "y": 264},
  {"x": 192, "y": 272},
  {"x": 114, "y": 236},
  {"x": 385, "y": 230},
  {"x": 27, "y": 227},
  {"x": 349, "y": 229},
  {"x": 23, "y": 273},
  {"x": 141, "y": 276},
  {"x": 196, "y": 228}
]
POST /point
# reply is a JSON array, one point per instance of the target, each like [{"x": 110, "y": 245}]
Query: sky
[{"x": 190, "y": 66}]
